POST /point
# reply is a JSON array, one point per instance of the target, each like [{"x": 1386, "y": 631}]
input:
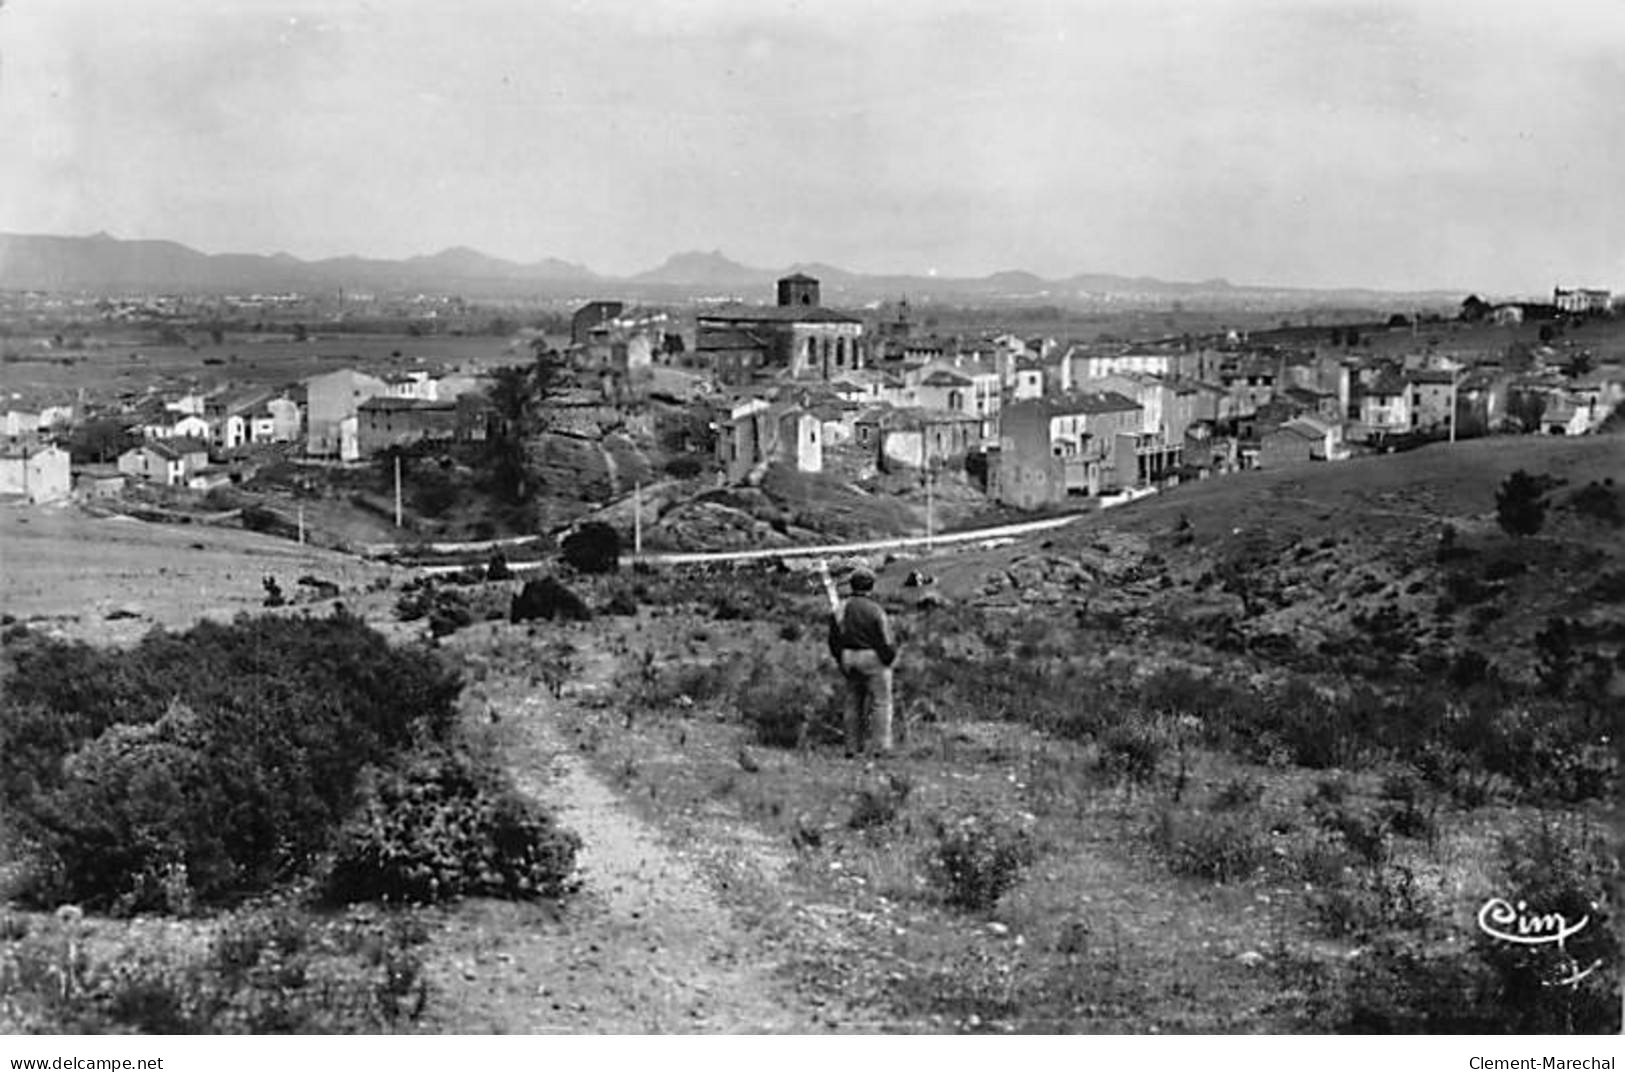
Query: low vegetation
[{"x": 304, "y": 760}]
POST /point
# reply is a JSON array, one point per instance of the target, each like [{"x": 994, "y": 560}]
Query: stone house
[
  {"x": 1384, "y": 405},
  {"x": 757, "y": 433},
  {"x": 38, "y": 473},
  {"x": 1301, "y": 439},
  {"x": 1028, "y": 380},
  {"x": 390, "y": 421},
  {"x": 98, "y": 482},
  {"x": 920, "y": 438},
  {"x": 1051, "y": 448},
  {"x": 1432, "y": 394},
  {"x": 165, "y": 461},
  {"x": 332, "y": 399},
  {"x": 969, "y": 389}
]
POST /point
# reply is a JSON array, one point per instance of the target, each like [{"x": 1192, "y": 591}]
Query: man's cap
[{"x": 862, "y": 579}]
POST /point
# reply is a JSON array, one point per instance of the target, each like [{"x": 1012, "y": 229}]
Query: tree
[
  {"x": 1580, "y": 364},
  {"x": 1474, "y": 308},
  {"x": 1527, "y": 408},
  {"x": 100, "y": 441},
  {"x": 593, "y": 548},
  {"x": 1520, "y": 504}
]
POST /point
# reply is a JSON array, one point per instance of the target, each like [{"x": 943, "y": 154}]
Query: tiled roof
[
  {"x": 1089, "y": 403},
  {"x": 391, "y": 404},
  {"x": 776, "y": 314},
  {"x": 714, "y": 339}
]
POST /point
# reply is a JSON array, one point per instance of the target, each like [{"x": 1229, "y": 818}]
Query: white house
[
  {"x": 39, "y": 474},
  {"x": 21, "y": 423},
  {"x": 163, "y": 461},
  {"x": 190, "y": 403}
]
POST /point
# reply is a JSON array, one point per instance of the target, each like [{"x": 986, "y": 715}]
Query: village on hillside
[{"x": 1030, "y": 423}]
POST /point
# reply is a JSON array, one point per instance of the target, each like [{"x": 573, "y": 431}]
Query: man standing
[{"x": 860, "y": 639}]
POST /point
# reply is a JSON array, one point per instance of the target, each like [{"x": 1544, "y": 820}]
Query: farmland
[{"x": 114, "y": 362}]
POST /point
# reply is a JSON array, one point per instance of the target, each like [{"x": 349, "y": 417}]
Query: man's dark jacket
[{"x": 861, "y": 623}]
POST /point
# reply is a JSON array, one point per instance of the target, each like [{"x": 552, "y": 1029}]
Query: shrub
[
  {"x": 1520, "y": 504},
  {"x": 878, "y": 805},
  {"x": 594, "y": 547},
  {"x": 1598, "y": 502},
  {"x": 1376, "y": 902},
  {"x": 1220, "y": 848},
  {"x": 206, "y": 764},
  {"x": 685, "y": 467},
  {"x": 1131, "y": 751},
  {"x": 785, "y": 709},
  {"x": 442, "y": 825},
  {"x": 547, "y": 599},
  {"x": 622, "y": 603},
  {"x": 977, "y": 858},
  {"x": 1239, "y": 792},
  {"x": 496, "y": 569}
]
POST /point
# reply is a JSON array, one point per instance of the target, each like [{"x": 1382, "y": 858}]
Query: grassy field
[{"x": 111, "y": 579}]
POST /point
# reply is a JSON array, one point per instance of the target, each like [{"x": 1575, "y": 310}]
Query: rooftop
[{"x": 775, "y": 314}]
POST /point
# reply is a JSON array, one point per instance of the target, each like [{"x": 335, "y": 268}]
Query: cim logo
[{"x": 1507, "y": 922}]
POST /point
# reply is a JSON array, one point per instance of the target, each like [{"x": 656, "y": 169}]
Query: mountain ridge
[{"x": 102, "y": 263}]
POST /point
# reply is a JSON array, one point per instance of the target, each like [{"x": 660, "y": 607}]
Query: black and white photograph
[{"x": 542, "y": 522}]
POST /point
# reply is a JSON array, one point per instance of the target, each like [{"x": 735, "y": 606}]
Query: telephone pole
[
  {"x": 1455, "y": 385},
  {"x": 397, "y": 490},
  {"x": 930, "y": 504},
  {"x": 637, "y": 519}
]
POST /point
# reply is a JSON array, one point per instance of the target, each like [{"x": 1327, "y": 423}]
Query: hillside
[{"x": 1330, "y": 561}]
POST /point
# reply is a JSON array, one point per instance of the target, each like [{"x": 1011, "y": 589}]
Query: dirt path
[{"x": 644, "y": 947}]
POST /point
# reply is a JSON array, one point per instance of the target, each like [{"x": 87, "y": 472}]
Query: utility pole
[
  {"x": 930, "y": 515},
  {"x": 1455, "y": 383},
  {"x": 637, "y": 519},
  {"x": 301, "y": 523},
  {"x": 397, "y": 490}
]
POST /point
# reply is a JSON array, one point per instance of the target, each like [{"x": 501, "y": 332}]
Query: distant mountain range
[{"x": 102, "y": 264}]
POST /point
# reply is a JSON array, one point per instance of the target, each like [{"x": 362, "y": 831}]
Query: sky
[{"x": 1398, "y": 145}]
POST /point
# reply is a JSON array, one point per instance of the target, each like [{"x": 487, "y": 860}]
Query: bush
[
  {"x": 1520, "y": 504},
  {"x": 1220, "y": 848},
  {"x": 1239, "y": 792},
  {"x": 593, "y": 548},
  {"x": 785, "y": 709},
  {"x": 547, "y": 599},
  {"x": 206, "y": 764},
  {"x": 977, "y": 858},
  {"x": 1131, "y": 751},
  {"x": 1376, "y": 903},
  {"x": 1598, "y": 502},
  {"x": 685, "y": 467},
  {"x": 445, "y": 824}
]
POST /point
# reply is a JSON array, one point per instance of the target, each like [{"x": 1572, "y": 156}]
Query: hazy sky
[{"x": 1476, "y": 145}]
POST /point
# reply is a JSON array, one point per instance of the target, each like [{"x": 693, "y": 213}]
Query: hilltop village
[{"x": 721, "y": 394}]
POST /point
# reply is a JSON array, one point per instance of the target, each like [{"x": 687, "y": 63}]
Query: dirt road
[{"x": 645, "y": 946}]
